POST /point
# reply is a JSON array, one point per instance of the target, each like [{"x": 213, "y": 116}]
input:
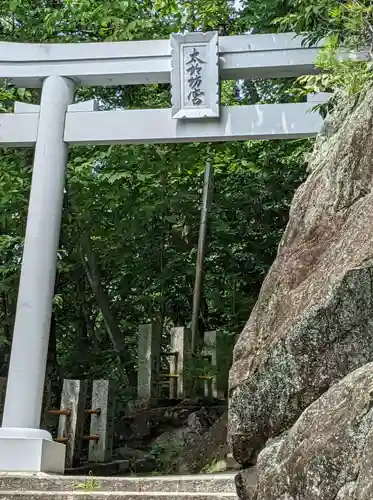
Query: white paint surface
[
  {"x": 18, "y": 129},
  {"x": 31, "y": 330},
  {"x": 268, "y": 121},
  {"x": 31, "y": 455},
  {"x": 142, "y": 62},
  {"x": 257, "y": 122}
]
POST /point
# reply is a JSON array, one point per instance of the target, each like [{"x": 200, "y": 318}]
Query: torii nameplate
[{"x": 195, "y": 75}]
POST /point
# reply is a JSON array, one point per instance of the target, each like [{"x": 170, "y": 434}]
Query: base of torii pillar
[{"x": 30, "y": 450}]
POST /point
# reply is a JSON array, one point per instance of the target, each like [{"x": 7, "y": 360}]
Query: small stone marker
[
  {"x": 73, "y": 399},
  {"x": 102, "y": 425},
  {"x": 181, "y": 345},
  {"x": 219, "y": 348},
  {"x": 149, "y": 346},
  {"x": 173, "y": 363},
  {"x": 210, "y": 352}
]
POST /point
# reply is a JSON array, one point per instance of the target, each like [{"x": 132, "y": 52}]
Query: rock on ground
[
  {"x": 198, "y": 442},
  {"x": 207, "y": 449},
  {"x": 328, "y": 453},
  {"x": 313, "y": 322},
  {"x": 195, "y": 425}
]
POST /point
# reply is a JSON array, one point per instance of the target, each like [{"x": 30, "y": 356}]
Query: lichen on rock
[{"x": 327, "y": 454}]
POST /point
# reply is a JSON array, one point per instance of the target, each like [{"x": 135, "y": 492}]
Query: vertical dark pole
[{"x": 207, "y": 191}]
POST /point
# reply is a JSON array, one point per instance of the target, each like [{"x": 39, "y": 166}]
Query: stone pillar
[
  {"x": 218, "y": 349},
  {"x": 71, "y": 427},
  {"x": 181, "y": 345},
  {"x": 102, "y": 425},
  {"x": 210, "y": 353},
  {"x": 23, "y": 445},
  {"x": 149, "y": 347},
  {"x": 172, "y": 360}
]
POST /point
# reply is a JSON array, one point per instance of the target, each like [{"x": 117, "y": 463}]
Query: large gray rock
[
  {"x": 328, "y": 453},
  {"x": 313, "y": 322}
]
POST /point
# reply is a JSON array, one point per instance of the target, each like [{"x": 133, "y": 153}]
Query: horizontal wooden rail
[
  {"x": 66, "y": 413},
  {"x": 91, "y": 438},
  {"x": 93, "y": 412},
  {"x": 61, "y": 439}
]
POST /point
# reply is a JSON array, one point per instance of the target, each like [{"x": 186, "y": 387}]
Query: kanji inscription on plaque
[{"x": 195, "y": 75}]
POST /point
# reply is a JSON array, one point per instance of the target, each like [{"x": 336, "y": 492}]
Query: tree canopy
[{"x": 131, "y": 213}]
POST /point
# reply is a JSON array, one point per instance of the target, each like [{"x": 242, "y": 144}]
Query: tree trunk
[{"x": 93, "y": 275}]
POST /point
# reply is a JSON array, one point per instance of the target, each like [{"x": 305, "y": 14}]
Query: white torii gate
[{"x": 193, "y": 63}]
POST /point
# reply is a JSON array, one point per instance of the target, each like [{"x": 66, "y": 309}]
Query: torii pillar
[{"x": 24, "y": 447}]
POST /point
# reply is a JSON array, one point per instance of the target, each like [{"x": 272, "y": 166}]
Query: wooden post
[
  {"x": 71, "y": 425},
  {"x": 102, "y": 425},
  {"x": 207, "y": 191}
]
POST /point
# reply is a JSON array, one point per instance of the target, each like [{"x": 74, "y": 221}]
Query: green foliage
[
  {"x": 349, "y": 76},
  {"x": 165, "y": 457},
  {"x": 196, "y": 15},
  {"x": 211, "y": 468},
  {"x": 89, "y": 484},
  {"x": 79, "y": 20},
  {"x": 347, "y": 28},
  {"x": 10, "y": 94},
  {"x": 348, "y": 22},
  {"x": 257, "y": 16},
  {"x": 131, "y": 213},
  {"x": 343, "y": 25}
]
